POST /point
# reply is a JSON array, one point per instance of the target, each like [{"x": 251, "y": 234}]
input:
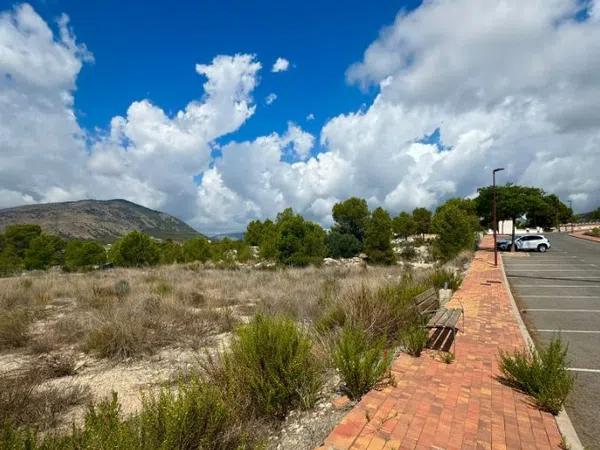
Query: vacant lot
[{"x": 70, "y": 339}]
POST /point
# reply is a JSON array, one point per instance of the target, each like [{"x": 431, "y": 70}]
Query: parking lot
[{"x": 559, "y": 292}]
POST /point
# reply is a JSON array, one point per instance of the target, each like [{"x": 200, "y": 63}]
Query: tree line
[{"x": 290, "y": 239}]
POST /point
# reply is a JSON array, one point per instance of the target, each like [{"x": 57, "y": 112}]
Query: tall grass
[
  {"x": 362, "y": 361},
  {"x": 541, "y": 373}
]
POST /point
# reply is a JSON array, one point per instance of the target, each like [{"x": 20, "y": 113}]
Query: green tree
[
  {"x": 404, "y": 225},
  {"x": 299, "y": 242},
  {"x": 422, "y": 218},
  {"x": 268, "y": 241},
  {"x": 20, "y": 236},
  {"x": 44, "y": 251},
  {"x": 351, "y": 217},
  {"x": 9, "y": 261},
  {"x": 171, "y": 252},
  {"x": 378, "y": 238},
  {"x": 254, "y": 232},
  {"x": 82, "y": 254},
  {"x": 135, "y": 249},
  {"x": 455, "y": 230},
  {"x": 340, "y": 245},
  {"x": 595, "y": 215},
  {"x": 196, "y": 249}
]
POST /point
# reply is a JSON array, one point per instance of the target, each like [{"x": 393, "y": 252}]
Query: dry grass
[{"x": 132, "y": 329}]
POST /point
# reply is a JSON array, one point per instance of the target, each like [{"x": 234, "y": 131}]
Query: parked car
[{"x": 536, "y": 242}]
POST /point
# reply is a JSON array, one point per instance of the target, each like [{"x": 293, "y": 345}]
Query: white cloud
[
  {"x": 270, "y": 98},
  {"x": 280, "y": 65},
  {"x": 310, "y": 116},
  {"x": 515, "y": 85}
]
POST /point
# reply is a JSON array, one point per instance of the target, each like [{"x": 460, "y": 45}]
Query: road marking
[
  {"x": 577, "y": 369},
  {"x": 552, "y": 270},
  {"x": 559, "y": 297},
  {"x": 570, "y": 331},
  {"x": 564, "y": 286},
  {"x": 562, "y": 310}
]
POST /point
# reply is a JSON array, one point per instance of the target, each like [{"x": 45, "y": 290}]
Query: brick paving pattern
[{"x": 461, "y": 405}]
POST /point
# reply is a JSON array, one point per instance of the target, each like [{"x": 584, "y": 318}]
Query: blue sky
[
  {"x": 148, "y": 49},
  {"x": 414, "y": 103}
]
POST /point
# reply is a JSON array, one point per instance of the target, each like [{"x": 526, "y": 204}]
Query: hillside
[{"x": 102, "y": 220}]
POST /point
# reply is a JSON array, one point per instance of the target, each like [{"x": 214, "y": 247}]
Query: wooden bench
[{"x": 434, "y": 316}]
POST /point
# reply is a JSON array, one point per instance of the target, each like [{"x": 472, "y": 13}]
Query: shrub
[
  {"x": 44, "y": 251},
  {"x": 342, "y": 245},
  {"x": 14, "y": 328},
  {"x": 196, "y": 249},
  {"x": 81, "y": 254},
  {"x": 197, "y": 416},
  {"x": 299, "y": 242},
  {"x": 135, "y": 250},
  {"x": 119, "y": 335},
  {"x": 361, "y": 361},
  {"x": 270, "y": 361},
  {"x": 540, "y": 373},
  {"x": 445, "y": 278},
  {"x": 595, "y": 232},
  {"x": 408, "y": 252},
  {"x": 414, "y": 339}
]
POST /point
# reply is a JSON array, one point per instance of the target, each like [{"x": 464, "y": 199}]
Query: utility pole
[{"x": 494, "y": 221}]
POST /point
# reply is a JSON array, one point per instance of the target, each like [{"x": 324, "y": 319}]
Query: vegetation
[
  {"x": 135, "y": 250},
  {"x": 540, "y": 373},
  {"x": 404, "y": 225},
  {"x": 362, "y": 361},
  {"x": 414, "y": 339},
  {"x": 455, "y": 224},
  {"x": 342, "y": 245},
  {"x": 422, "y": 219},
  {"x": 595, "y": 232},
  {"x": 82, "y": 254},
  {"x": 378, "y": 238},
  {"x": 351, "y": 217},
  {"x": 445, "y": 278}
]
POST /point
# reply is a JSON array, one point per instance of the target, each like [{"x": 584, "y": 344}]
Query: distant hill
[
  {"x": 592, "y": 216},
  {"x": 236, "y": 236},
  {"x": 101, "y": 220}
]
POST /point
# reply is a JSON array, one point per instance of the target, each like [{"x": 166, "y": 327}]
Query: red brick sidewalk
[
  {"x": 580, "y": 235},
  {"x": 460, "y": 405}
]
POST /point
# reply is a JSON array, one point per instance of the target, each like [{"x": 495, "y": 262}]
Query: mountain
[
  {"x": 101, "y": 220},
  {"x": 234, "y": 236}
]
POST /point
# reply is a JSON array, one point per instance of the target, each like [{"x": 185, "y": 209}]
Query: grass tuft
[
  {"x": 540, "y": 373},
  {"x": 362, "y": 361},
  {"x": 414, "y": 339}
]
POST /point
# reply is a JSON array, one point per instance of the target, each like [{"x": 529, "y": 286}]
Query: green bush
[
  {"x": 44, "y": 251},
  {"x": 270, "y": 361},
  {"x": 362, "y": 362},
  {"x": 83, "y": 254},
  {"x": 408, "y": 252},
  {"x": 196, "y": 249},
  {"x": 595, "y": 232},
  {"x": 541, "y": 373},
  {"x": 455, "y": 228},
  {"x": 196, "y": 416},
  {"x": 342, "y": 245},
  {"x": 298, "y": 242},
  {"x": 444, "y": 277},
  {"x": 135, "y": 250},
  {"x": 414, "y": 339}
]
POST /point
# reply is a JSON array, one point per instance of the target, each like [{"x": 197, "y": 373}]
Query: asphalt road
[{"x": 559, "y": 292}]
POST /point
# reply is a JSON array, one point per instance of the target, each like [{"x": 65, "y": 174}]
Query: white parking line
[
  {"x": 570, "y": 331},
  {"x": 553, "y": 286},
  {"x": 559, "y": 297},
  {"x": 562, "y": 310},
  {"x": 577, "y": 369}
]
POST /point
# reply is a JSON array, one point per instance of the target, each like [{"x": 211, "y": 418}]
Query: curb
[
  {"x": 565, "y": 426},
  {"x": 585, "y": 238}
]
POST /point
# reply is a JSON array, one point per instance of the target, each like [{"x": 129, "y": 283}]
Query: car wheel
[{"x": 542, "y": 248}]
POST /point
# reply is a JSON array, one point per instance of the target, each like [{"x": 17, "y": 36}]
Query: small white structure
[{"x": 505, "y": 227}]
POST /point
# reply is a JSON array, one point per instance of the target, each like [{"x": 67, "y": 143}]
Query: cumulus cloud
[
  {"x": 515, "y": 85},
  {"x": 270, "y": 98},
  {"x": 280, "y": 65},
  {"x": 310, "y": 116}
]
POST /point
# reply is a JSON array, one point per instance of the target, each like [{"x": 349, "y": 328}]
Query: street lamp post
[{"x": 494, "y": 221}]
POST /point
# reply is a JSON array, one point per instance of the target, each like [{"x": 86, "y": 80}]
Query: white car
[{"x": 533, "y": 242}]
